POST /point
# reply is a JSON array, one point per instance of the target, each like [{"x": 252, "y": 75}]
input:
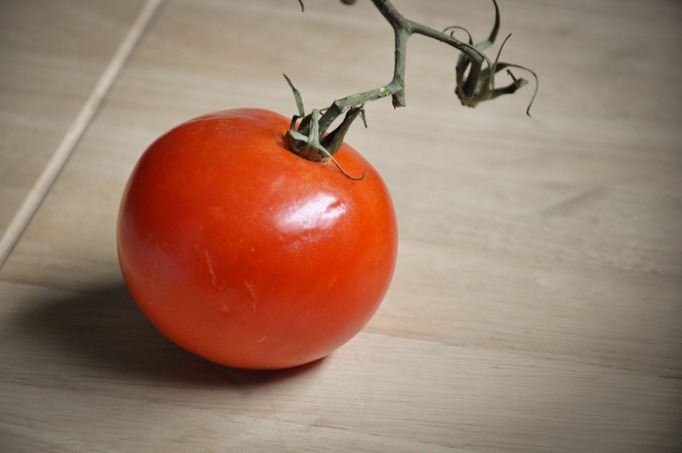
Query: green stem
[
  {"x": 475, "y": 81},
  {"x": 403, "y": 28}
]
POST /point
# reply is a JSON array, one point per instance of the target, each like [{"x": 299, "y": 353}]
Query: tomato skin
[{"x": 248, "y": 255}]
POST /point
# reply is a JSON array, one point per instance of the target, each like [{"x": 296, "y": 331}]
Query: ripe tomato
[{"x": 248, "y": 255}]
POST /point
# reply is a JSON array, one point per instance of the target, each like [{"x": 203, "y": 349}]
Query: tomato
[{"x": 248, "y": 255}]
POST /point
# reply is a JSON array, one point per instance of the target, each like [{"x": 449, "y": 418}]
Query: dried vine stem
[{"x": 475, "y": 83}]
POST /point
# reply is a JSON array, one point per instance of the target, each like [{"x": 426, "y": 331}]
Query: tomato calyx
[
  {"x": 316, "y": 149},
  {"x": 305, "y": 139},
  {"x": 476, "y": 84}
]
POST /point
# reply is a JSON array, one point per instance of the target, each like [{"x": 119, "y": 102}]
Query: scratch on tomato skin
[
  {"x": 262, "y": 340},
  {"x": 252, "y": 293},
  {"x": 216, "y": 282},
  {"x": 211, "y": 271},
  {"x": 225, "y": 307}
]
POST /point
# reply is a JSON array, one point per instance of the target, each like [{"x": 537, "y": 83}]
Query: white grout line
[{"x": 61, "y": 154}]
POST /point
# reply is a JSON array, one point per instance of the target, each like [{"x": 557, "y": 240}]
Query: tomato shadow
[{"x": 106, "y": 332}]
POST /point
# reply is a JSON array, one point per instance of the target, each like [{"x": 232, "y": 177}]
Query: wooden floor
[{"x": 537, "y": 302}]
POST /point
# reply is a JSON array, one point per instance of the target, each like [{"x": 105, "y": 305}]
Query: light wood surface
[{"x": 537, "y": 301}]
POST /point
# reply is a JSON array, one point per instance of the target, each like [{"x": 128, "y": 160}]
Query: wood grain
[
  {"x": 538, "y": 296},
  {"x": 73, "y": 133},
  {"x": 51, "y": 88}
]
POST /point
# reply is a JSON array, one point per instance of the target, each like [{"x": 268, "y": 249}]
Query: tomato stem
[{"x": 475, "y": 83}]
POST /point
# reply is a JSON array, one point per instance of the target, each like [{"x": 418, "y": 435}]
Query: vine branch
[{"x": 475, "y": 83}]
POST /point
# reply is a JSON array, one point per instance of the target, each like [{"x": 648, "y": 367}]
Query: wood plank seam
[{"x": 42, "y": 186}]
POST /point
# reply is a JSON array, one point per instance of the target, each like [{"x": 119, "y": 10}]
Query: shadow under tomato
[{"x": 106, "y": 331}]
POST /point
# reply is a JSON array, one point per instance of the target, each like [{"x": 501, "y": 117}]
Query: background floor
[{"x": 538, "y": 296}]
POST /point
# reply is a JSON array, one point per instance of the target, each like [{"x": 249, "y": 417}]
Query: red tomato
[{"x": 248, "y": 255}]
